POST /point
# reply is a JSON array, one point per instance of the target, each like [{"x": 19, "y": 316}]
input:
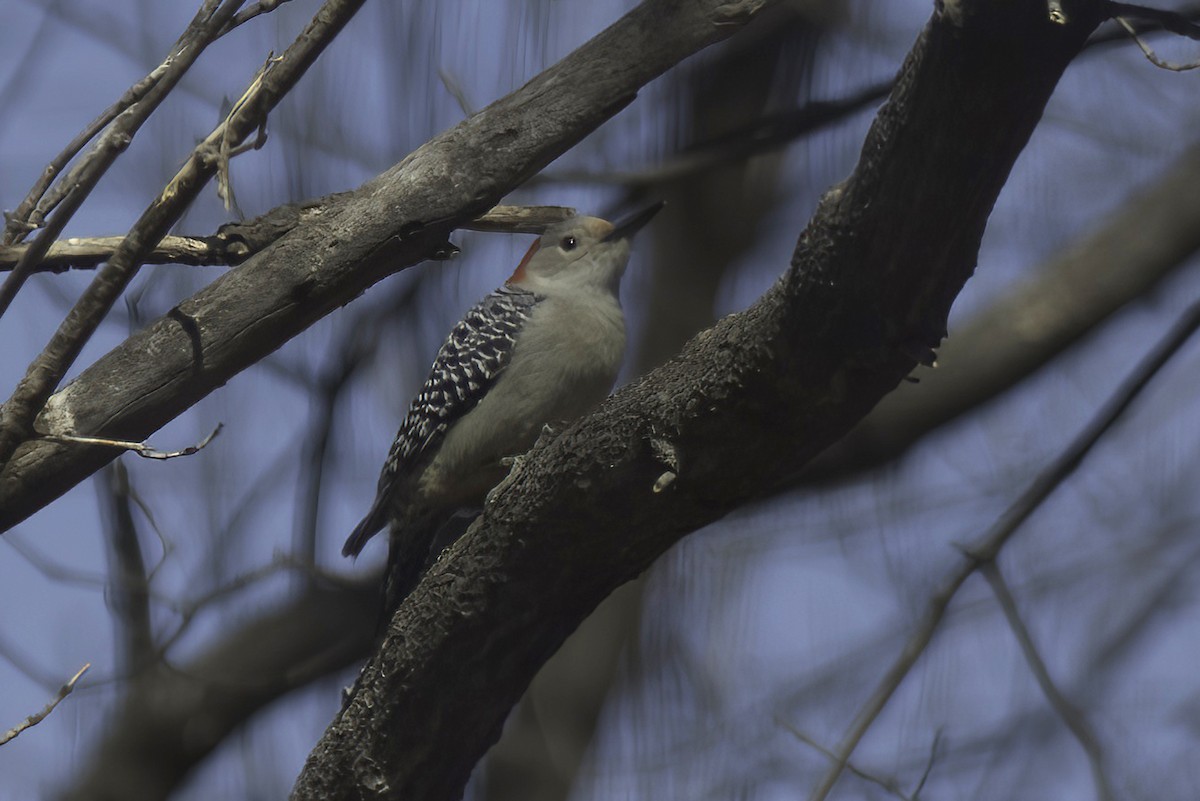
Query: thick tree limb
[
  {"x": 394, "y": 221},
  {"x": 756, "y": 396}
]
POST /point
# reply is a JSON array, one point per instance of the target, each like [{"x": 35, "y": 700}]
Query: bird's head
[{"x": 579, "y": 253}]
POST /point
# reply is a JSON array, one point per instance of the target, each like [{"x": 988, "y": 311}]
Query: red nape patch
[{"x": 519, "y": 274}]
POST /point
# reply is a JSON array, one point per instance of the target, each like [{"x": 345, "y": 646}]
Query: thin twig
[
  {"x": 228, "y": 146},
  {"x": 990, "y": 544},
  {"x": 777, "y": 130},
  {"x": 51, "y": 569},
  {"x": 30, "y": 213},
  {"x": 188, "y": 610},
  {"x": 1071, "y": 716},
  {"x": 929, "y": 763},
  {"x": 140, "y": 448},
  {"x": 1150, "y": 55},
  {"x": 247, "y": 14},
  {"x": 78, "y": 253},
  {"x": 26, "y": 666},
  {"x": 1112, "y": 34},
  {"x": 761, "y": 136},
  {"x": 356, "y": 348},
  {"x": 128, "y": 585},
  {"x": 79, "y": 183},
  {"x": 890, "y": 785},
  {"x": 26, "y": 217},
  {"x": 38, "y": 717},
  {"x": 454, "y": 87},
  {"x": 48, "y": 369},
  {"x": 1170, "y": 21}
]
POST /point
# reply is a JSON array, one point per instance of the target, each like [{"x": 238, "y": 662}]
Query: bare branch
[
  {"x": 519, "y": 219},
  {"x": 1171, "y": 21},
  {"x": 988, "y": 546},
  {"x": 145, "y": 97},
  {"x": 30, "y": 214},
  {"x": 230, "y": 244},
  {"x": 1152, "y": 234},
  {"x": 89, "y": 253},
  {"x": 140, "y": 448},
  {"x": 890, "y": 785},
  {"x": 48, "y": 369},
  {"x": 774, "y": 131},
  {"x": 255, "y": 662},
  {"x": 929, "y": 763},
  {"x": 1071, "y": 716},
  {"x": 24, "y": 219},
  {"x": 1151, "y": 56},
  {"x": 128, "y": 584},
  {"x": 38, "y": 717},
  {"x": 394, "y": 221},
  {"x": 247, "y": 14},
  {"x": 762, "y": 136}
]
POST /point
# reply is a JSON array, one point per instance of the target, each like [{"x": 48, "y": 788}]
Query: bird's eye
[{"x": 568, "y": 243}]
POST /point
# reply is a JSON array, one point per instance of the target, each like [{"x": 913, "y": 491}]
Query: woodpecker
[{"x": 544, "y": 347}]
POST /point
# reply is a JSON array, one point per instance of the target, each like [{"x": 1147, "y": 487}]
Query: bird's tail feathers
[{"x": 368, "y": 527}]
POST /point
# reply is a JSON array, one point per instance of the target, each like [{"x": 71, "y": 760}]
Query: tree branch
[
  {"x": 1070, "y": 715},
  {"x": 172, "y": 717},
  {"x": 235, "y": 242},
  {"x": 988, "y": 547},
  {"x": 44, "y": 712},
  {"x": 128, "y": 582},
  {"x": 1149, "y": 237},
  {"x": 394, "y": 221},
  {"x": 759, "y": 394},
  {"x": 277, "y": 77},
  {"x": 122, "y": 121}
]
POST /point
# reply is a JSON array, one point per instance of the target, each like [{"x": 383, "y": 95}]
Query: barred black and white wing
[{"x": 466, "y": 368}]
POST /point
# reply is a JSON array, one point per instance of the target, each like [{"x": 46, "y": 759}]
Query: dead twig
[
  {"x": 48, "y": 369},
  {"x": 224, "y": 248},
  {"x": 71, "y": 191},
  {"x": 1170, "y": 21},
  {"x": 88, "y": 253},
  {"x": 38, "y": 717},
  {"x": 1151, "y": 56},
  {"x": 140, "y": 448}
]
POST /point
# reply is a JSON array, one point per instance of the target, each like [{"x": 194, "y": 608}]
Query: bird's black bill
[{"x": 633, "y": 223}]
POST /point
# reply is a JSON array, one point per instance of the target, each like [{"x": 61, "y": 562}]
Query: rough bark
[
  {"x": 713, "y": 216},
  {"x": 396, "y": 220},
  {"x": 749, "y": 400}
]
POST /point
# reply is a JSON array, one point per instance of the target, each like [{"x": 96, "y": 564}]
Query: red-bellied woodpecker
[{"x": 545, "y": 347}]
